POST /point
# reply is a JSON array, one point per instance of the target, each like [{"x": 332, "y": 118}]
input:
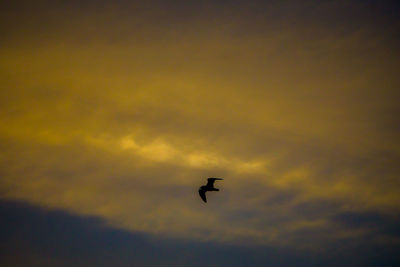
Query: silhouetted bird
[{"x": 208, "y": 187}]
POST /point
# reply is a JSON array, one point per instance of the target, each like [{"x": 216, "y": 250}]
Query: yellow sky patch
[{"x": 128, "y": 129}]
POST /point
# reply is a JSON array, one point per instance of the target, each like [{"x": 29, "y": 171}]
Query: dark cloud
[
  {"x": 57, "y": 238},
  {"x": 386, "y": 225}
]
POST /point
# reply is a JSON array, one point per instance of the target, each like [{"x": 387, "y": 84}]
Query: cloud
[{"x": 127, "y": 126}]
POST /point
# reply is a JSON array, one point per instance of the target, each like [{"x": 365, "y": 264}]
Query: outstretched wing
[
  {"x": 202, "y": 194},
  {"x": 211, "y": 180}
]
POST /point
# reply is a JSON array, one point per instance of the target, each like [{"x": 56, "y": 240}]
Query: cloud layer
[{"x": 123, "y": 117}]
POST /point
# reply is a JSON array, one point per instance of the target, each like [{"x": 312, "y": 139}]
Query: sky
[{"x": 113, "y": 113}]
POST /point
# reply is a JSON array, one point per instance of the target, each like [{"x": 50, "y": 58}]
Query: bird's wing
[
  {"x": 202, "y": 194},
  {"x": 211, "y": 180}
]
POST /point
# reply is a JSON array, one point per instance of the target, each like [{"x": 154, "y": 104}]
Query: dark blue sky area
[{"x": 31, "y": 236}]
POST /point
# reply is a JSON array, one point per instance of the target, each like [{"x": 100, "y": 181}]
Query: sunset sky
[{"x": 113, "y": 113}]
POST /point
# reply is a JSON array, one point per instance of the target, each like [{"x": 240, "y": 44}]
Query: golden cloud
[{"x": 128, "y": 129}]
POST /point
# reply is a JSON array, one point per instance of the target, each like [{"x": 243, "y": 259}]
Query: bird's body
[{"x": 208, "y": 187}]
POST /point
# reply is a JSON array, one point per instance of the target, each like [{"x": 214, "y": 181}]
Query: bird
[{"x": 208, "y": 187}]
